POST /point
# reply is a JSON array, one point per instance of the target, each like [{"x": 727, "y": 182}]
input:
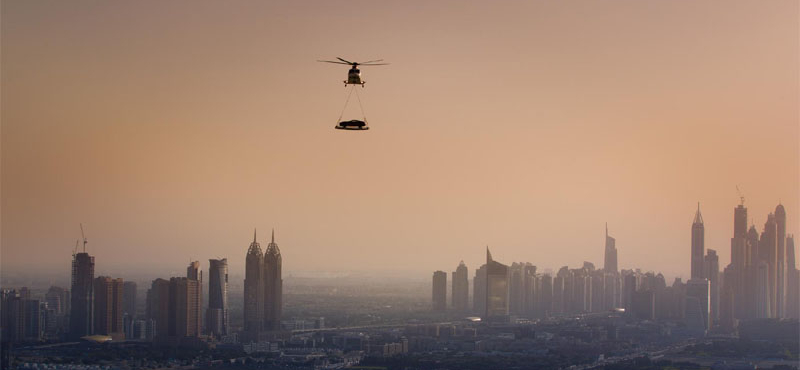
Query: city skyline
[
  {"x": 176, "y": 136},
  {"x": 418, "y": 272}
]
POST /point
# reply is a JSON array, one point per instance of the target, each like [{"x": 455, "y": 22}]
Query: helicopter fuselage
[{"x": 354, "y": 77}]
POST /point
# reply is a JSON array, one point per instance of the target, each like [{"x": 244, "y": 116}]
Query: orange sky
[{"x": 172, "y": 129}]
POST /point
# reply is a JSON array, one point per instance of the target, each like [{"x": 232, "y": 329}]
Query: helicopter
[{"x": 354, "y": 74}]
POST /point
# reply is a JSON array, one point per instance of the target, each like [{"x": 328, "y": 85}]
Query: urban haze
[{"x": 508, "y": 185}]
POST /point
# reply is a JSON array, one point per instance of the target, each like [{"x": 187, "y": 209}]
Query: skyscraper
[
  {"x": 497, "y": 286},
  {"x": 780, "y": 271},
  {"x": 698, "y": 245},
  {"x": 108, "y": 307},
  {"x": 610, "y": 260},
  {"x": 217, "y": 313},
  {"x": 792, "y": 281},
  {"x": 461, "y": 288},
  {"x": 439, "y": 291},
  {"x": 479, "y": 291},
  {"x": 58, "y": 299},
  {"x": 739, "y": 274},
  {"x": 745, "y": 306},
  {"x": 712, "y": 271},
  {"x": 158, "y": 306},
  {"x": 762, "y": 298},
  {"x": 196, "y": 299},
  {"x": 12, "y": 315},
  {"x": 516, "y": 293},
  {"x": 698, "y": 305},
  {"x": 183, "y": 313},
  {"x": 727, "y": 321},
  {"x": 81, "y": 322},
  {"x": 768, "y": 252},
  {"x": 129, "y": 298},
  {"x": 273, "y": 286},
  {"x": 254, "y": 289}
]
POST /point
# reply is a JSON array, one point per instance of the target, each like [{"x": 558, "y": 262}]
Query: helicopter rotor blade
[
  {"x": 372, "y": 61},
  {"x": 332, "y": 61},
  {"x": 348, "y": 62},
  {"x": 375, "y": 64}
]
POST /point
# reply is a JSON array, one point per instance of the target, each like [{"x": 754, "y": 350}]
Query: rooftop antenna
[
  {"x": 741, "y": 197},
  {"x": 84, "y": 239}
]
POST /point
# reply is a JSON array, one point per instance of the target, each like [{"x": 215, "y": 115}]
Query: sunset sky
[{"x": 172, "y": 129}]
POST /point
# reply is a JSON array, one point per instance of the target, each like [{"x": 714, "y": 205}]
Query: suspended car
[{"x": 352, "y": 124}]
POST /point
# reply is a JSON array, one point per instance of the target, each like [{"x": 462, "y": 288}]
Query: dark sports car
[{"x": 352, "y": 125}]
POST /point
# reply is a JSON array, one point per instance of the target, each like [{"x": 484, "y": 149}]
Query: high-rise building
[
  {"x": 610, "y": 260},
  {"x": 439, "y": 291},
  {"x": 545, "y": 301},
  {"x": 273, "y": 286},
  {"x": 630, "y": 284},
  {"x": 158, "y": 307},
  {"x": 108, "y": 307},
  {"x": 254, "y": 289},
  {"x": 479, "y": 291},
  {"x": 698, "y": 245},
  {"x": 81, "y": 318},
  {"x": 598, "y": 291},
  {"x": 58, "y": 301},
  {"x": 461, "y": 288},
  {"x": 196, "y": 304},
  {"x": 12, "y": 316},
  {"x": 698, "y": 304},
  {"x": 611, "y": 291},
  {"x": 530, "y": 289},
  {"x": 217, "y": 313},
  {"x": 516, "y": 293},
  {"x": 643, "y": 304},
  {"x": 768, "y": 252},
  {"x": 497, "y": 303},
  {"x": 57, "y": 298},
  {"x": 129, "y": 298},
  {"x": 762, "y": 298},
  {"x": 792, "y": 281},
  {"x": 739, "y": 272},
  {"x": 727, "y": 320},
  {"x": 35, "y": 317},
  {"x": 780, "y": 271},
  {"x": 745, "y": 306},
  {"x": 712, "y": 271},
  {"x": 183, "y": 313}
]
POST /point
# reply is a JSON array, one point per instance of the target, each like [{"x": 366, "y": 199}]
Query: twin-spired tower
[{"x": 263, "y": 288}]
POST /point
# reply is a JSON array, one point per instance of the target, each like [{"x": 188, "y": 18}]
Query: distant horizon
[{"x": 236, "y": 266}]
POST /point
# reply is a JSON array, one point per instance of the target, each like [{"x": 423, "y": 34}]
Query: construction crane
[
  {"x": 741, "y": 197},
  {"x": 84, "y": 239},
  {"x": 75, "y": 250}
]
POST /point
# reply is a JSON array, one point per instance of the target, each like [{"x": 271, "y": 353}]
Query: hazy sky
[{"x": 172, "y": 129}]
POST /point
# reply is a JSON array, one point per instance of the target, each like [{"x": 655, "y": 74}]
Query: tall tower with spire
[
  {"x": 273, "y": 286},
  {"x": 254, "y": 289},
  {"x": 610, "y": 260},
  {"x": 698, "y": 245}
]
